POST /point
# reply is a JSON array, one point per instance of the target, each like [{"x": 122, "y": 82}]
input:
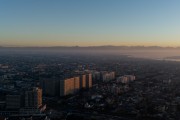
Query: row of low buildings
[
  {"x": 65, "y": 86},
  {"x": 125, "y": 79},
  {"x": 107, "y": 76},
  {"x": 102, "y": 76}
]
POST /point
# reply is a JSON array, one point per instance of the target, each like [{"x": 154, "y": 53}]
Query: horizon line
[{"x": 14, "y": 46}]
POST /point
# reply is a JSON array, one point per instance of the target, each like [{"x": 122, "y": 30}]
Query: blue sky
[{"x": 89, "y": 22}]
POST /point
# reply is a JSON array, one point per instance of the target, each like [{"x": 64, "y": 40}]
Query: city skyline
[{"x": 46, "y": 23}]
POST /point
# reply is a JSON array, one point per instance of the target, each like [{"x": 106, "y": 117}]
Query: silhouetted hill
[
  {"x": 97, "y": 48},
  {"x": 152, "y": 52}
]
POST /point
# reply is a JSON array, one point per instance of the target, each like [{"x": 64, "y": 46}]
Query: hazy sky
[{"x": 89, "y": 22}]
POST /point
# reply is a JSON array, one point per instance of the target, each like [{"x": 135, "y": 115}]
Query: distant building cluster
[
  {"x": 4, "y": 66},
  {"x": 96, "y": 75},
  {"x": 117, "y": 86},
  {"x": 107, "y": 76},
  {"x": 100, "y": 76},
  {"x": 66, "y": 86},
  {"x": 125, "y": 79},
  {"x": 114, "y": 89}
]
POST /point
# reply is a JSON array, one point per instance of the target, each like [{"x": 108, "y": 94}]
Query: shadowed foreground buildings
[
  {"x": 33, "y": 98},
  {"x": 24, "y": 105},
  {"x": 30, "y": 99},
  {"x": 50, "y": 86},
  {"x": 27, "y": 103},
  {"x": 63, "y": 87},
  {"x": 14, "y": 101}
]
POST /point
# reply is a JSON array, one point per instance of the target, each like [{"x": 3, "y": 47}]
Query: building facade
[
  {"x": 82, "y": 81},
  {"x": 76, "y": 84},
  {"x": 50, "y": 86},
  {"x": 14, "y": 101},
  {"x": 33, "y": 98},
  {"x": 88, "y": 80}
]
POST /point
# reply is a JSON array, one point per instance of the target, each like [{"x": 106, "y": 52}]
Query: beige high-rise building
[
  {"x": 33, "y": 98},
  {"x": 88, "y": 80},
  {"x": 73, "y": 85},
  {"x": 76, "y": 84},
  {"x": 83, "y": 81},
  {"x": 67, "y": 86}
]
